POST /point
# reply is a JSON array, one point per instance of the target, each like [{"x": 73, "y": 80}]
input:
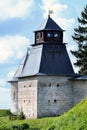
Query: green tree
[{"x": 80, "y": 37}]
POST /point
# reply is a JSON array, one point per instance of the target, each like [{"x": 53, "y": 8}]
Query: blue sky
[{"x": 18, "y": 20}]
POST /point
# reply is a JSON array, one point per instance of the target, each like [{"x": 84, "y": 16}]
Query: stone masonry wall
[
  {"x": 46, "y": 95},
  {"x": 55, "y": 95},
  {"x": 14, "y": 97},
  {"x": 27, "y": 96},
  {"x": 79, "y": 90}
]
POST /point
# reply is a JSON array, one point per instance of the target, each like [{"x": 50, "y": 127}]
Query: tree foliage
[{"x": 80, "y": 37}]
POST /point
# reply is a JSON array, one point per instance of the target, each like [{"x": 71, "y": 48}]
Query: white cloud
[
  {"x": 65, "y": 23},
  {"x": 2, "y": 82},
  {"x": 14, "y": 8},
  {"x": 12, "y": 47},
  {"x": 53, "y": 5},
  {"x": 59, "y": 10}
]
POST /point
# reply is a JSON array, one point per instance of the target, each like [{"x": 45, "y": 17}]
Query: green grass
[
  {"x": 75, "y": 119},
  {"x": 4, "y": 112}
]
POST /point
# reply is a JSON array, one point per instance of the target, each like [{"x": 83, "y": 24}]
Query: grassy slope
[
  {"x": 3, "y": 112},
  {"x": 75, "y": 119}
]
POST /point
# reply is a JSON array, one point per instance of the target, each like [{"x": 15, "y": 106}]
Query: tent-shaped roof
[
  {"x": 20, "y": 69},
  {"x": 45, "y": 60},
  {"x": 49, "y": 24}
]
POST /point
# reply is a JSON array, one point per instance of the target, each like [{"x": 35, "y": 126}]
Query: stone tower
[{"x": 41, "y": 85}]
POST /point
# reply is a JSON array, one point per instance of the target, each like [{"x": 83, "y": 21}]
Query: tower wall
[
  {"x": 14, "y": 97},
  {"x": 27, "y": 97},
  {"x": 79, "y": 90},
  {"x": 55, "y": 95}
]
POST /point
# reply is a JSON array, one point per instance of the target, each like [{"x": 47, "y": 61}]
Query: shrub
[
  {"x": 52, "y": 128},
  {"x": 15, "y": 127},
  {"x": 24, "y": 126},
  {"x": 21, "y": 116}
]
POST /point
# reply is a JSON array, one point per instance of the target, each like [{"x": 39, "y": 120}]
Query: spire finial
[{"x": 50, "y": 12}]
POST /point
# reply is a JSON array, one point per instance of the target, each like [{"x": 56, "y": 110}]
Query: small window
[
  {"x": 49, "y": 85},
  {"x": 24, "y": 86},
  {"x": 29, "y": 101},
  {"x": 30, "y": 85},
  {"x": 38, "y": 35},
  {"x": 58, "y": 85},
  {"x": 48, "y": 100},
  {"x": 24, "y": 101},
  {"x": 49, "y": 34},
  {"x": 55, "y": 101},
  {"x": 56, "y": 35}
]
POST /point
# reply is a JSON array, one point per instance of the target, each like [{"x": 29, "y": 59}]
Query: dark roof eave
[
  {"x": 13, "y": 80},
  {"x": 49, "y": 30},
  {"x": 75, "y": 79},
  {"x": 45, "y": 43},
  {"x": 42, "y": 74},
  {"x": 79, "y": 78}
]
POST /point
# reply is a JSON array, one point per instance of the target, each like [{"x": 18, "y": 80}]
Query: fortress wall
[
  {"x": 27, "y": 97},
  {"x": 79, "y": 90},
  {"x": 55, "y": 95},
  {"x": 14, "y": 97},
  {"x": 46, "y": 95}
]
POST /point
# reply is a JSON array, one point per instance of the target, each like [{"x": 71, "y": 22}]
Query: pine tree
[{"x": 80, "y": 36}]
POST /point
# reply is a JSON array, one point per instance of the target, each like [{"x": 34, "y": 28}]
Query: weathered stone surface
[
  {"x": 14, "y": 98},
  {"x": 54, "y": 95},
  {"x": 27, "y": 97},
  {"x": 79, "y": 90},
  {"x": 42, "y": 96}
]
